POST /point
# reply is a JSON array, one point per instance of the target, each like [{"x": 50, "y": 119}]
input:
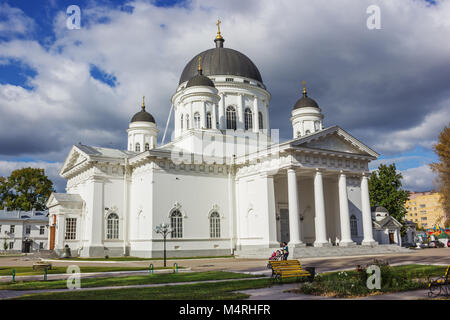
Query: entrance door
[
  {"x": 284, "y": 225},
  {"x": 391, "y": 238},
  {"x": 52, "y": 237},
  {"x": 27, "y": 246}
]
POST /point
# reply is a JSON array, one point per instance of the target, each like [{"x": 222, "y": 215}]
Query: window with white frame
[
  {"x": 27, "y": 229},
  {"x": 248, "y": 119},
  {"x": 41, "y": 230},
  {"x": 260, "y": 120},
  {"x": 11, "y": 245},
  {"x": 176, "y": 223},
  {"x": 71, "y": 229},
  {"x": 353, "y": 226},
  {"x": 138, "y": 147},
  {"x": 112, "y": 226},
  {"x": 214, "y": 225},
  {"x": 147, "y": 146},
  {"x": 197, "y": 120},
  {"x": 231, "y": 118},
  {"x": 181, "y": 123},
  {"x": 41, "y": 245},
  {"x": 12, "y": 228},
  {"x": 187, "y": 121},
  {"x": 208, "y": 120}
]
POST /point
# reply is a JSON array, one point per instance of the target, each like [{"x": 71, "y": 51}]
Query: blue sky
[{"x": 59, "y": 87}]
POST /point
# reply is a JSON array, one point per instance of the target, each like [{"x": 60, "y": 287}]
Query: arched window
[
  {"x": 307, "y": 132},
  {"x": 181, "y": 123},
  {"x": 299, "y": 134},
  {"x": 353, "y": 226},
  {"x": 208, "y": 121},
  {"x": 112, "y": 226},
  {"x": 316, "y": 125},
  {"x": 176, "y": 223},
  {"x": 187, "y": 121},
  {"x": 147, "y": 146},
  {"x": 260, "y": 120},
  {"x": 248, "y": 119},
  {"x": 231, "y": 118},
  {"x": 197, "y": 120},
  {"x": 214, "y": 225},
  {"x": 138, "y": 147}
]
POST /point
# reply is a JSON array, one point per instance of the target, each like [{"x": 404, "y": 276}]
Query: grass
[
  {"x": 142, "y": 259},
  {"x": 28, "y": 271},
  {"x": 126, "y": 280},
  {"x": 202, "y": 291},
  {"x": 353, "y": 283}
]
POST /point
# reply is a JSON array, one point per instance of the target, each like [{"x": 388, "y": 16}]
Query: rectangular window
[
  {"x": 27, "y": 229},
  {"x": 11, "y": 245},
  {"x": 12, "y": 228},
  {"x": 41, "y": 245},
  {"x": 229, "y": 80},
  {"x": 41, "y": 230},
  {"x": 423, "y": 218},
  {"x": 422, "y": 206},
  {"x": 71, "y": 228}
]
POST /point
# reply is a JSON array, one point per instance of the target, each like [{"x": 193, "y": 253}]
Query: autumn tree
[
  {"x": 385, "y": 189},
  {"x": 25, "y": 189},
  {"x": 442, "y": 168}
]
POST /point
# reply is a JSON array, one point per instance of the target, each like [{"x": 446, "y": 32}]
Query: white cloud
[
  {"x": 13, "y": 21},
  {"x": 418, "y": 179}
]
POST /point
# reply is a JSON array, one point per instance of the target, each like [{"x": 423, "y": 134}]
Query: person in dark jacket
[{"x": 285, "y": 251}]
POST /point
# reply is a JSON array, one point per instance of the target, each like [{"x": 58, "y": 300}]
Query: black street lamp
[{"x": 164, "y": 229}]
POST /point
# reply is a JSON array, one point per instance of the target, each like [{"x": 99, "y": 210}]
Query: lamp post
[{"x": 164, "y": 229}]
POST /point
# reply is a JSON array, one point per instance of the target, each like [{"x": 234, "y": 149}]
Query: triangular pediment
[
  {"x": 334, "y": 139},
  {"x": 74, "y": 158}
]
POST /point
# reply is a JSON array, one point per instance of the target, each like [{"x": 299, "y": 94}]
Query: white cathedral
[{"x": 224, "y": 184}]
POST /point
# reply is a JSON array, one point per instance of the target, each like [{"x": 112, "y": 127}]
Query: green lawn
[
  {"x": 142, "y": 259},
  {"x": 393, "y": 279},
  {"x": 203, "y": 291},
  {"x": 126, "y": 280},
  {"x": 28, "y": 271}
]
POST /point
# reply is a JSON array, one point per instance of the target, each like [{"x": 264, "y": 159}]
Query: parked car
[{"x": 436, "y": 244}]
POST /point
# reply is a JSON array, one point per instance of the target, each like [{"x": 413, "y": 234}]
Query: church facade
[{"x": 223, "y": 183}]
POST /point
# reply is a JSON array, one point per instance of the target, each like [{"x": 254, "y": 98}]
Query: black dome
[
  {"x": 200, "y": 80},
  {"x": 305, "y": 102},
  {"x": 222, "y": 61},
  {"x": 143, "y": 116}
]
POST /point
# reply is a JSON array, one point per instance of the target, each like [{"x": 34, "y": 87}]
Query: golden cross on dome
[
  {"x": 143, "y": 102},
  {"x": 304, "y": 86},
  {"x": 199, "y": 63},
  {"x": 219, "y": 36}
]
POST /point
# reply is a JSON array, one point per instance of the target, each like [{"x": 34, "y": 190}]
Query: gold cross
[
  {"x": 143, "y": 102},
  {"x": 219, "y": 36},
  {"x": 304, "y": 86},
  {"x": 199, "y": 63}
]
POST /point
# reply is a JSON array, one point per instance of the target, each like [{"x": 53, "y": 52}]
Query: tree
[
  {"x": 25, "y": 189},
  {"x": 442, "y": 168},
  {"x": 385, "y": 188}
]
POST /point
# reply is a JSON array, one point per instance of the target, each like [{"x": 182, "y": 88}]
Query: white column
[
  {"x": 215, "y": 124},
  {"x": 60, "y": 231},
  {"x": 366, "y": 214},
  {"x": 240, "y": 113},
  {"x": 203, "y": 116},
  {"x": 255, "y": 115},
  {"x": 222, "y": 112},
  {"x": 346, "y": 239},
  {"x": 294, "y": 216},
  {"x": 320, "y": 220}
]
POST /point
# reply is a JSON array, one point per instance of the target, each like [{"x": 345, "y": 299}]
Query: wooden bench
[
  {"x": 288, "y": 269},
  {"x": 440, "y": 286},
  {"x": 42, "y": 266}
]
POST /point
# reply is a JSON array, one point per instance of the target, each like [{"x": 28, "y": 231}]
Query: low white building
[
  {"x": 386, "y": 228},
  {"x": 224, "y": 182},
  {"x": 23, "y": 231}
]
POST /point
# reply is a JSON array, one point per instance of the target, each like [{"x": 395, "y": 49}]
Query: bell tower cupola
[
  {"x": 142, "y": 131},
  {"x": 306, "y": 116}
]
